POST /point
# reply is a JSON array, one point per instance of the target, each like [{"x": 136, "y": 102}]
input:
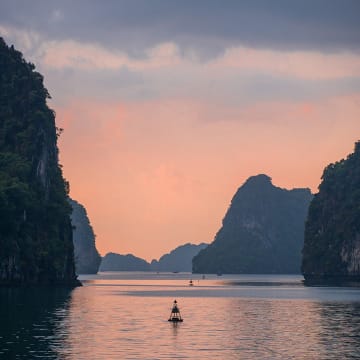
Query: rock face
[
  {"x": 117, "y": 262},
  {"x": 332, "y": 232},
  {"x": 262, "y": 231},
  {"x": 179, "y": 259},
  {"x": 87, "y": 258},
  {"x": 35, "y": 229}
]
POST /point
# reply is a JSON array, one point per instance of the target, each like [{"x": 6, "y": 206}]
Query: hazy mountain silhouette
[
  {"x": 117, "y": 262},
  {"x": 87, "y": 258},
  {"x": 179, "y": 259}
]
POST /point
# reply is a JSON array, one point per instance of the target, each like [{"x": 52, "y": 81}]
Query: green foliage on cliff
[
  {"x": 332, "y": 231},
  {"x": 35, "y": 228},
  {"x": 87, "y": 258},
  {"x": 262, "y": 231}
]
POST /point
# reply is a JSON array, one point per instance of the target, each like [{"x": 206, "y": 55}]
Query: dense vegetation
[
  {"x": 332, "y": 231},
  {"x": 87, "y": 258},
  {"x": 262, "y": 231},
  {"x": 35, "y": 229}
]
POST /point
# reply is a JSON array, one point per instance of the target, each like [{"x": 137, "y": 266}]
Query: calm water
[{"x": 124, "y": 316}]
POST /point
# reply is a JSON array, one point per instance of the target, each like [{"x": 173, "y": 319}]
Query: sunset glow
[{"x": 159, "y": 135}]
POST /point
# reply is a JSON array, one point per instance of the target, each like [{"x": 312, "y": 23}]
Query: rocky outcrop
[
  {"x": 117, "y": 262},
  {"x": 332, "y": 233},
  {"x": 179, "y": 259},
  {"x": 35, "y": 229},
  {"x": 87, "y": 258},
  {"x": 262, "y": 231}
]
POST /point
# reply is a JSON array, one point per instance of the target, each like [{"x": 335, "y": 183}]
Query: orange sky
[
  {"x": 158, "y": 174},
  {"x": 166, "y": 114}
]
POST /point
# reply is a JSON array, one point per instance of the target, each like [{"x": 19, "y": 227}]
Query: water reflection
[
  {"x": 128, "y": 319},
  {"x": 29, "y": 321},
  {"x": 340, "y": 321}
]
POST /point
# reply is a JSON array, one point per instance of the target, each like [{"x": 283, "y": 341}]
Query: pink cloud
[{"x": 300, "y": 64}]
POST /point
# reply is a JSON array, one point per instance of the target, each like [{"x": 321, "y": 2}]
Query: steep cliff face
[
  {"x": 332, "y": 231},
  {"x": 179, "y": 259},
  {"x": 87, "y": 258},
  {"x": 35, "y": 229},
  {"x": 262, "y": 231}
]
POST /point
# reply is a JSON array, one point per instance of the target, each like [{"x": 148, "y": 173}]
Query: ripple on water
[{"x": 222, "y": 319}]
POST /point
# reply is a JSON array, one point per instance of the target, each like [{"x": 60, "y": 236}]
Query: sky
[{"x": 169, "y": 106}]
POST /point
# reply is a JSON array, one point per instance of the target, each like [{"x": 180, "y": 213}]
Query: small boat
[{"x": 175, "y": 313}]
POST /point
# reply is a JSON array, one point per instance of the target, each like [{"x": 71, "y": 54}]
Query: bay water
[{"x": 124, "y": 315}]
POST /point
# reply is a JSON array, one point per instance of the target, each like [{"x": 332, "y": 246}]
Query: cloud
[
  {"x": 310, "y": 65},
  {"x": 240, "y": 76},
  {"x": 304, "y": 65},
  {"x": 206, "y": 27},
  {"x": 57, "y": 16},
  {"x": 72, "y": 54}
]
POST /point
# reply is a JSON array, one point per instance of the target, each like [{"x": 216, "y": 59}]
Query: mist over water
[{"x": 124, "y": 316}]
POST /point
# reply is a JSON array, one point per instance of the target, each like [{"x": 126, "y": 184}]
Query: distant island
[
  {"x": 35, "y": 228},
  {"x": 179, "y": 259},
  {"x": 332, "y": 233},
  {"x": 262, "y": 231},
  {"x": 87, "y": 258},
  {"x": 117, "y": 262}
]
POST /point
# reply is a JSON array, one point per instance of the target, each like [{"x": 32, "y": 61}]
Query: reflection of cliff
[
  {"x": 288, "y": 329},
  {"x": 29, "y": 320},
  {"x": 340, "y": 321},
  {"x": 87, "y": 258}
]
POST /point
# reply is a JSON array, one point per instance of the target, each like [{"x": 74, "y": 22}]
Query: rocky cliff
[
  {"x": 179, "y": 259},
  {"x": 262, "y": 231},
  {"x": 332, "y": 232},
  {"x": 117, "y": 262},
  {"x": 35, "y": 230},
  {"x": 87, "y": 258}
]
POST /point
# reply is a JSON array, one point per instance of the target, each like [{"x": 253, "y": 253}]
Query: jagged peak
[
  {"x": 260, "y": 179},
  {"x": 357, "y": 147}
]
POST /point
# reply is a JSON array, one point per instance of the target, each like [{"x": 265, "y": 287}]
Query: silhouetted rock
[
  {"x": 332, "y": 233},
  {"x": 179, "y": 259},
  {"x": 87, "y": 258},
  {"x": 117, "y": 262},
  {"x": 36, "y": 244},
  {"x": 262, "y": 231}
]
